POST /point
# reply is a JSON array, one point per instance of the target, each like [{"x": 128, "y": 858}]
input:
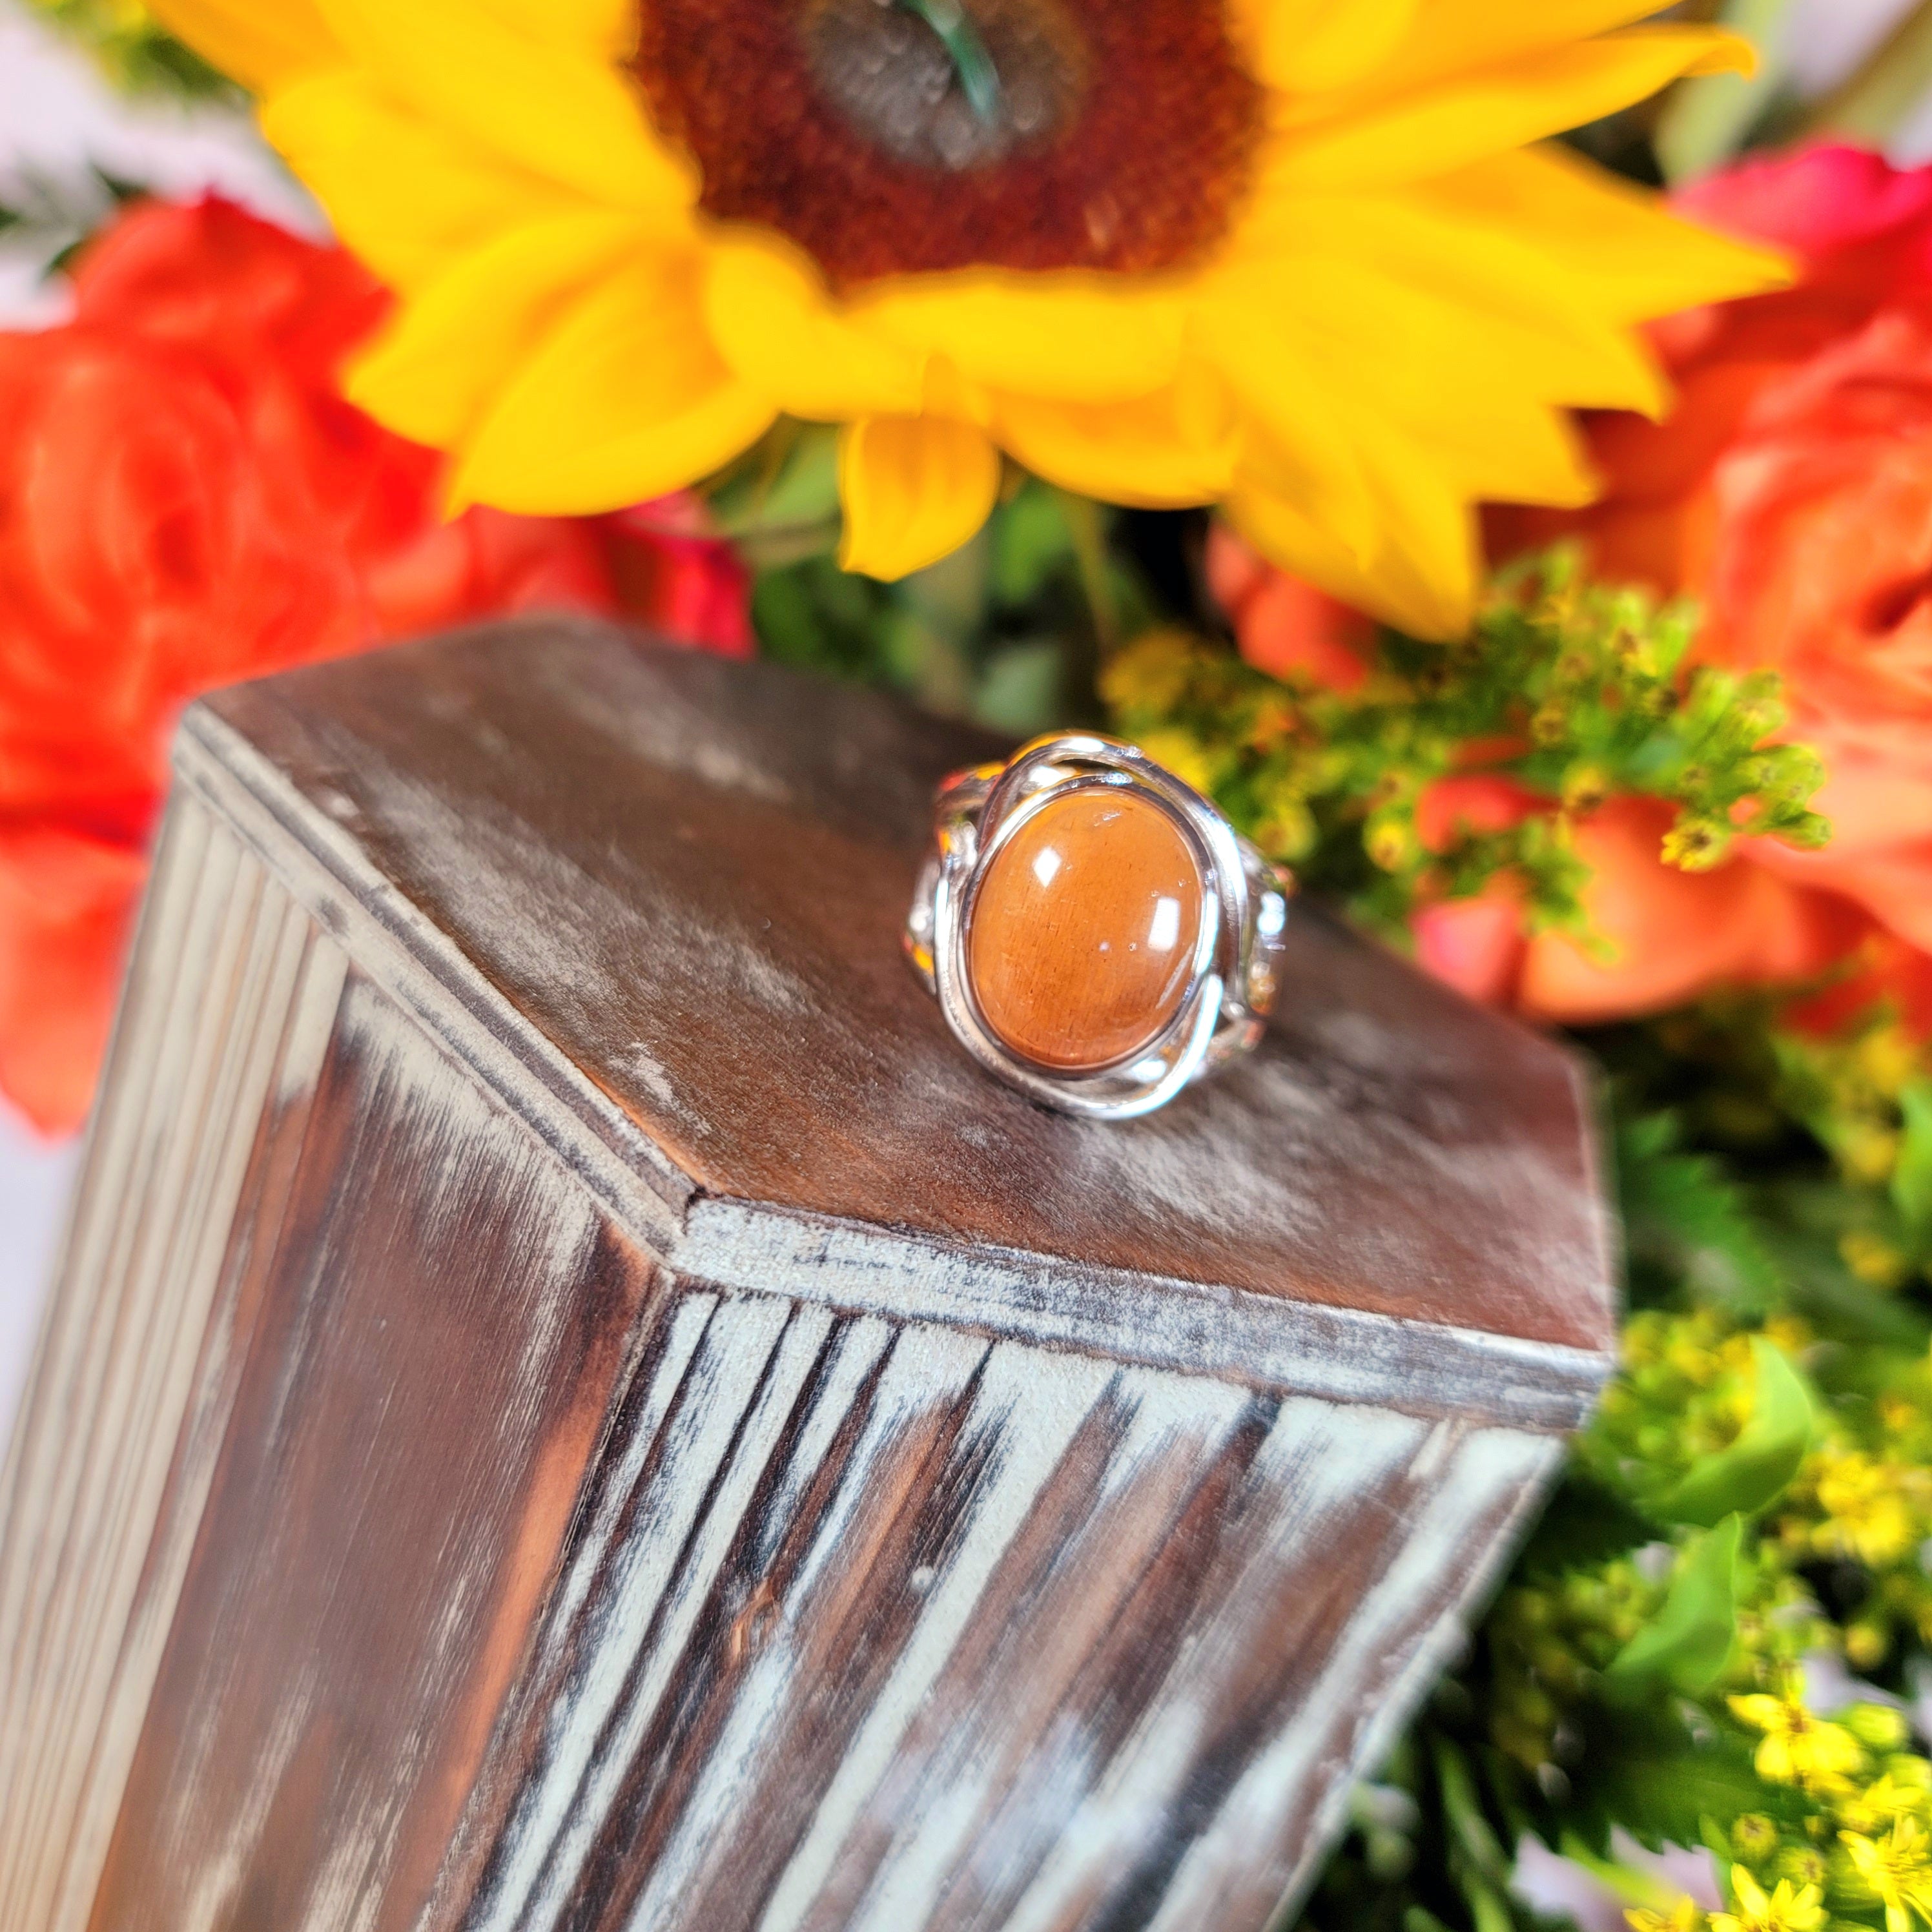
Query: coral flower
[
  {"x": 1790, "y": 493},
  {"x": 1296, "y": 256},
  {"x": 185, "y": 500}
]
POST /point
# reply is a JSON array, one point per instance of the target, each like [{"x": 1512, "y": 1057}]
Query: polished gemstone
[{"x": 1083, "y": 933}]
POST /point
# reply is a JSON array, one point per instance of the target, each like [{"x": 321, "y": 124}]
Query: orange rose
[
  {"x": 184, "y": 500},
  {"x": 1287, "y": 628},
  {"x": 1790, "y": 491},
  {"x": 1674, "y": 934}
]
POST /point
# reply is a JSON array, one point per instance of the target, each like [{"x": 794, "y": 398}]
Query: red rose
[
  {"x": 185, "y": 500},
  {"x": 672, "y": 577}
]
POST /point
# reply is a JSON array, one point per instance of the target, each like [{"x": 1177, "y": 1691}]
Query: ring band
[{"x": 1097, "y": 934}]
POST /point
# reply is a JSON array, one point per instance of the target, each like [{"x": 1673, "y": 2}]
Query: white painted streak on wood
[
  {"x": 109, "y": 1422},
  {"x": 110, "y": 1137},
  {"x": 857, "y": 1350},
  {"x": 660, "y": 1573},
  {"x": 56, "y": 1411},
  {"x": 1372, "y": 1671},
  {"x": 137, "y": 1350},
  {"x": 1297, "y": 1347},
  {"x": 740, "y": 1755},
  {"x": 59, "y": 1404},
  {"x": 429, "y": 976},
  {"x": 1032, "y": 1405},
  {"x": 684, "y": 1329},
  {"x": 1515, "y": 1468},
  {"x": 950, "y": 1796},
  {"x": 1308, "y": 1481},
  {"x": 174, "y": 1290},
  {"x": 294, "y": 1015}
]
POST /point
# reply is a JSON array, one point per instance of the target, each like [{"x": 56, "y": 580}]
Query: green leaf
[
  {"x": 1685, "y": 1215},
  {"x": 1030, "y": 541},
  {"x": 1687, "y": 1647},
  {"x": 1911, "y": 1179},
  {"x": 1474, "y": 1836},
  {"x": 1756, "y": 1467}
]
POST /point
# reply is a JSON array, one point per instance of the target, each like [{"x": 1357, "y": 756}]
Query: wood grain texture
[
  {"x": 208, "y": 1097},
  {"x": 980, "y": 1637},
  {"x": 689, "y": 878},
  {"x": 571, "y": 1405}
]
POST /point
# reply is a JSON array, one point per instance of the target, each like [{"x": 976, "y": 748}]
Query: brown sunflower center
[{"x": 903, "y": 136}]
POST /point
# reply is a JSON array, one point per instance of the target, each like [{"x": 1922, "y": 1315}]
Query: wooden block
[{"x": 571, "y": 1403}]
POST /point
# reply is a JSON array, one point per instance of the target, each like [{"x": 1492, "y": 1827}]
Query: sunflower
[{"x": 1298, "y": 257}]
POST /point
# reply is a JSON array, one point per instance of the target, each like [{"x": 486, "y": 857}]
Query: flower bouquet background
[{"x": 1256, "y": 444}]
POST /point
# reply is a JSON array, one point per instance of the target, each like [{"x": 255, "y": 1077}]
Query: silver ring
[{"x": 1097, "y": 934}]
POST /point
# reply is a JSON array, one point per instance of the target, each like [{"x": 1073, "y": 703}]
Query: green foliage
[
  {"x": 134, "y": 50},
  {"x": 1911, "y": 1187},
  {"x": 53, "y": 218},
  {"x": 1006, "y": 631},
  {"x": 1759, "y": 1465},
  {"x": 1685, "y": 1218},
  {"x": 1566, "y": 695},
  {"x": 1685, "y": 1646}
]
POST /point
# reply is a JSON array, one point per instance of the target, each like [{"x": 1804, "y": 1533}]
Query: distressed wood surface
[
  {"x": 689, "y": 876},
  {"x": 571, "y": 1405}
]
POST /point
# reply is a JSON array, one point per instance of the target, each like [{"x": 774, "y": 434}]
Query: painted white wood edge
[
  {"x": 392, "y": 943},
  {"x": 1267, "y": 1341},
  {"x": 1441, "y": 1650},
  {"x": 1298, "y": 1348}
]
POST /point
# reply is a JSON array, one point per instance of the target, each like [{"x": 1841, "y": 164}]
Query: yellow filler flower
[{"x": 1295, "y": 256}]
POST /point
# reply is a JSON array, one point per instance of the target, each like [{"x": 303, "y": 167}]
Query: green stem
[
  {"x": 1085, "y": 526},
  {"x": 979, "y": 78}
]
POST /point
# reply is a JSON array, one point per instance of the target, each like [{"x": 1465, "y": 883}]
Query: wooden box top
[{"x": 672, "y": 887}]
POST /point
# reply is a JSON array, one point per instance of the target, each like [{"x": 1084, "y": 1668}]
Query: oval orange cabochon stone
[{"x": 1083, "y": 931}]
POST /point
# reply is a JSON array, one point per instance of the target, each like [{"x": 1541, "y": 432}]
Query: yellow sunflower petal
[
  {"x": 914, "y": 489},
  {"x": 1429, "y": 270},
  {"x": 407, "y": 195},
  {"x": 1296, "y": 438},
  {"x": 1304, "y": 45},
  {"x": 1437, "y": 130},
  {"x": 453, "y": 347},
  {"x": 625, "y": 399},
  {"x": 561, "y": 112},
  {"x": 1377, "y": 349},
  {"x": 1076, "y": 338},
  {"x": 1457, "y": 37},
  {"x": 263, "y": 46},
  {"x": 1422, "y": 576},
  {"x": 774, "y": 323},
  {"x": 1616, "y": 249},
  {"x": 610, "y": 26},
  {"x": 1143, "y": 453}
]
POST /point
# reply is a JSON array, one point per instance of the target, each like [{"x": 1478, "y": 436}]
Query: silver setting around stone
[{"x": 1233, "y": 982}]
